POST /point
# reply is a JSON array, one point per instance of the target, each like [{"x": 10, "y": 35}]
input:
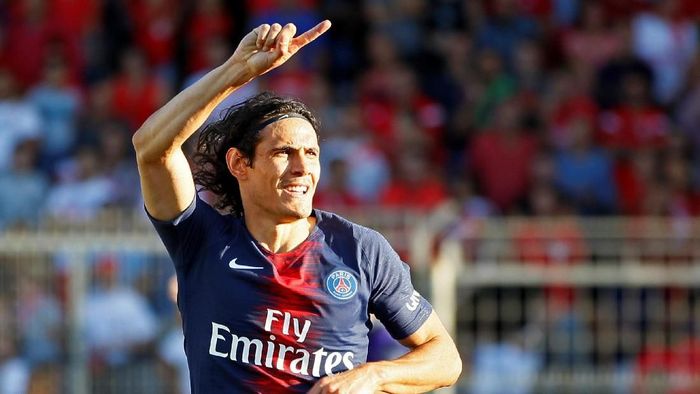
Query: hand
[
  {"x": 269, "y": 46},
  {"x": 361, "y": 380}
]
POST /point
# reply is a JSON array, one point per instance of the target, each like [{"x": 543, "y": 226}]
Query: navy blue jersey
[{"x": 270, "y": 322}]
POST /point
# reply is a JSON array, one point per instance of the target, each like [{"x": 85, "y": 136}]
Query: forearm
[
  {"x": 169, "y": 127},
  {"x": 431, "y": 365}
]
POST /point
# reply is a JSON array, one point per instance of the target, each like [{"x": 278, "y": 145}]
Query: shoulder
[{"x": 339, "y": 229}]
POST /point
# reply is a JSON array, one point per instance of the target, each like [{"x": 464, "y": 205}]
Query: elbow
[
  {"x": 138, "y": 140},
  {"x": 455, "y": 370},
  {"x": 143, "y": 142},
  {"x": 453, "y": 367}
]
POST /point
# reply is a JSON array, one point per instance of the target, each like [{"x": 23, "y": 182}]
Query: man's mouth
[{"x": 297, "y": 189}]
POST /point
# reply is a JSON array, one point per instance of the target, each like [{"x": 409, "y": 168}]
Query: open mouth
[{"x": 298, "y": 190}]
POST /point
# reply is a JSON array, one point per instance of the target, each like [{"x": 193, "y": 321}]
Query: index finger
[{"x": 311, "y": 34}]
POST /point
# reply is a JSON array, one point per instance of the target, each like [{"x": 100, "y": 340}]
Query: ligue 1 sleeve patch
[{"x": 341, "y": 284}]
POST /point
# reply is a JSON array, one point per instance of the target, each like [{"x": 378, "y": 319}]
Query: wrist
[
  {"x": 376, "y": 373},
  {"x": 236, "y": 72}
]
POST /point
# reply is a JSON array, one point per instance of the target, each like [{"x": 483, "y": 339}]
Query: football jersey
[{"x": 256, "y": 321}]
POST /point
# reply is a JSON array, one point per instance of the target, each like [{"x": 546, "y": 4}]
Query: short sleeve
[
  {"x": 185, "y": 235},
  {"x": 393, "y": 299}
]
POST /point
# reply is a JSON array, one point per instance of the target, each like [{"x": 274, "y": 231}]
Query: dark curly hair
[{"x": 239, "y": 127}]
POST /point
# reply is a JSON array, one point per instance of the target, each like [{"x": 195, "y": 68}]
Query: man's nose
[{"x": 300, "y": 163}]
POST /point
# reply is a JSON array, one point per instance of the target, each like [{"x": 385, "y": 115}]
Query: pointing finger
[{"x": 311, "y": 34}]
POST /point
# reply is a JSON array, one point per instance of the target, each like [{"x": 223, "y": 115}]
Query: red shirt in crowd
[
  {"x": 566, "y": 113},
  {"x": 634, "y": 128},
  {"x": 423, "y": 195},
  {"x": 203, "y": 27},
  {"x": 136, "y": 102},
  {"x": 28, "y": 42},
  {"x": 155, "y": 25},
  {"x": 559, "y": 242},
  {"x": 502, "y": 166},
  {"x": 333, "y": 199},
  {"x": 681, "y": 363}
]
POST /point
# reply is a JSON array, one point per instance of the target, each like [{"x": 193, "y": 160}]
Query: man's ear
[{"x": 237, "y": 163}]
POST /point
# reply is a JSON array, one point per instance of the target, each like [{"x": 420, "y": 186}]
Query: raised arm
[{"x": 166, "y": 179}]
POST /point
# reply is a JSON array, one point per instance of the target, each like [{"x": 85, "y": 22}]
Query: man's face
[{"x": 285, "y": 171}]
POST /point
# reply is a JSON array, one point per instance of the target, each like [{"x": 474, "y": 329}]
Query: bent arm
[
  {"x": 432, "y": 362},
  {"x": 166, "y": 179}
]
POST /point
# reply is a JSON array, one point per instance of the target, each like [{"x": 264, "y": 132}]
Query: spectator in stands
[
  {"x": 688, "y": 112},
  {"x": 683, "y": 195},
  {"x": 336, "y": 194},
  {"x": 584, "y": 173},
  {"x": 544, "y": 242},
  {"x": 636, "y": 179},
  {"x": 608, "y": 86},
  {"x": 137, "y": 92},
  {"x": 669, "y": 361},
  {"x": 566, "y": 103},
  {"x": 501, "y": 158},
  {"x": 84, "y": 189},
  {"x": 19, "y": 119},
  {"x": 40, "y": 319},
  {"x": 58, "y": 102},
  {"x": 494, "y": 86},
  {"x": 410, "y": 105},
  {"x": 529, "y": 71},
  {"x": 402, "y": 20},
  {"x": 368, "y": 167},
  {"x": 636, "y": 123},
  {"x": 668, "y": 40},
  {"x": 34, "y": 33},
  {"x": 415, "y": 185},
  {"x": 553, "y": 240},
  {"x": 115, "y": 153},
  {"x": 505, "y": 360},
  {"x": 209, "y": 20},
  {"x": 471, "y": 211},
  {"x": 155, "y": 28},
  {"x": 472, "y": 204},
  {"x": 14, "y": 369},
  {"x": 593, "y": 42},
  {"x": 119, "y": 330},
  {"x": 375, "y": 86},
  {"x": 23, "y": 188},
  {"x": 97, "y": 112},
  {"x": 504, "y": 29}
]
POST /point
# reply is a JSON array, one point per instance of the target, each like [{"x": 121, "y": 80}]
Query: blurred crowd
[
  {"x": 502, "y": 107},
  {"x": 507, "y": 107}
]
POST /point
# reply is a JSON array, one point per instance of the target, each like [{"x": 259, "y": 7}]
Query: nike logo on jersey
[{"x": 233, "y": 264}]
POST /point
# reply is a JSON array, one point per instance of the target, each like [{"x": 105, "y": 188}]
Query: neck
[{"x": 278, "y": 237}]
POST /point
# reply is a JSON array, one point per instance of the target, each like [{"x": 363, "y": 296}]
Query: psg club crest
[{"x": 341, "y": 284}]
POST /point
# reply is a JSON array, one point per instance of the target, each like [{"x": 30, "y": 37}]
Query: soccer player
[{"x": 275, "y": 295}]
